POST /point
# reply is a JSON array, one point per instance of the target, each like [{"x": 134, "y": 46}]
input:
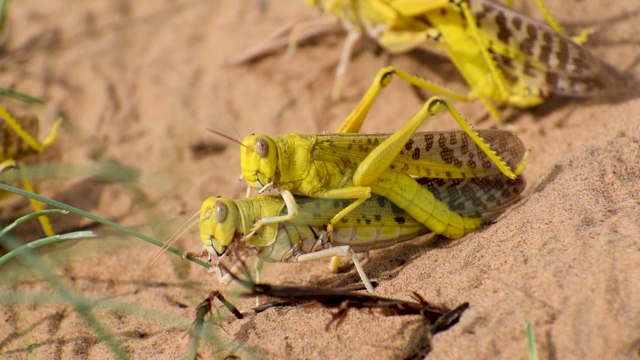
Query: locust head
[
  {"x": 258, "y": 159},
  {"x": 218, "y": 217}
]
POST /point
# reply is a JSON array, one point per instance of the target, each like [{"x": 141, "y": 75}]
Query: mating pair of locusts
[
  {"x": 374, "y": 190},
  {"x": 505, "y": 57}
]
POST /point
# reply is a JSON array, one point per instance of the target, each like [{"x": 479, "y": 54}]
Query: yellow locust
[
  {"x": 354, "y": 166},
  {"x": 17, "y": 142},
  {"x": 376, "y": 223},
  {"x": 505, "y": 57}
]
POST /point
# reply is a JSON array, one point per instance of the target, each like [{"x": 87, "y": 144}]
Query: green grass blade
[
  {"x": 78, "y": 303},
  {"x": 97, "y": 219},
  {"x": 28, "y": 99},
  {"x": 3, "y": 14},
  {"x": 43, "y": 242},
  {"x": 531, "y": 341},
  {"x": 28, "y": 217}
]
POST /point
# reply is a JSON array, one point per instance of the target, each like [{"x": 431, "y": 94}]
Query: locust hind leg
[
  {"x": 376, "y": 165},
  {"x": 354, "y": 121},
  {"x": 380, "y": 159},
  {"x": 288, "y": 38}
]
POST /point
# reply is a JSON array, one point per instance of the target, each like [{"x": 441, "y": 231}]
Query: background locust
[
  {"x": 354, "y": 166},
  {"x": 505, "y": 57},
  {"x": 376, "y": 223},
  {"x": 18, "y": 140}
]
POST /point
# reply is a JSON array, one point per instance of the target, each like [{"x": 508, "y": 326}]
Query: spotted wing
[
  {"x": 448, "y": 154},
  {"x": 537, "y": 56},
  {"x": 485, "y": 197}
]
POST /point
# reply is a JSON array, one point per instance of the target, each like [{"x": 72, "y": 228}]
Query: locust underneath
[{"x": 376, "y": 223}]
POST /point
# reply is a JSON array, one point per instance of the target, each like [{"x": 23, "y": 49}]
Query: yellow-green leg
[
  {"x": 292, "y": 212},
  {"x": 382, "y": 156},
  {"x": 379, "y": 160},
  {"x": 24, "y": 134},
  {"x": 37, "y": 205},
  {"x": 376, "y": 166},
  {"x": 38, "y": 147},
  {"x": 353, "y": 122},
  {"x": 497, "y": 78}
]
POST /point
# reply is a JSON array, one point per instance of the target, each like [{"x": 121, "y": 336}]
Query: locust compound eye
[
  {"x": 262, "y": 147},
  {"x": 222, "y": 211}
]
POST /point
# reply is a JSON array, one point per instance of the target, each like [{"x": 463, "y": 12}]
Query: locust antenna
[
  {"x": 228, "y": 137},
  {"x": 186, "y": 226},
  {"x": 236, "y": 132}
]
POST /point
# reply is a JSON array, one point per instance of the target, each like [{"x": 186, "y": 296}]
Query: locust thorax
[
  {"x": 258, "y": 160},
  {"x": 218, "y": 217}
]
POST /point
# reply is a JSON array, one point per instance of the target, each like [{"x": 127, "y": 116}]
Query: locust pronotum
[
  {"x": 17, "y": 142},
  {"x": 354, "y": 166},
  {"x": 505, "y": 57},
  {"x": 376, "y": 223}
]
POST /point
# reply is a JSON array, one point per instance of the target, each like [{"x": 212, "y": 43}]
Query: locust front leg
[
  {"x": 292, "y": 212},
  {"x": 359, "y": 194}
]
